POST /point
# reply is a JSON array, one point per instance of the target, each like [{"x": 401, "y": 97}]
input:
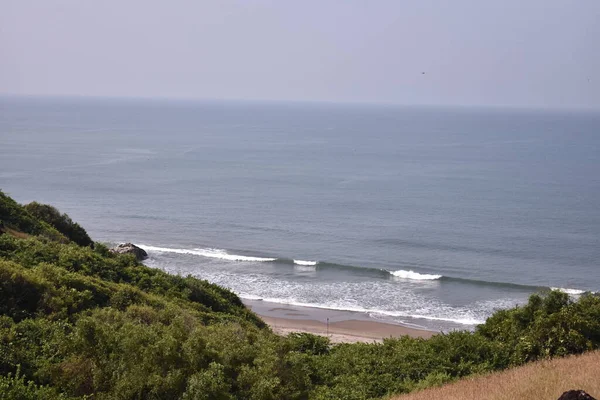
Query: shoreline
[{"x": 338, "y": 326}]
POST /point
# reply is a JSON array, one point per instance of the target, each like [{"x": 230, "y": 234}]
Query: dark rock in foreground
[
  {"x": 130, "y": 248},
  {"x": 575, "y": 395}
]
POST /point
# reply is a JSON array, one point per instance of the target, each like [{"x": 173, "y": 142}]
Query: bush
[
  {"x": 547, "y": 326},
  {"x": 308, "y": 344},
  {"x": 15, "y": 216},
  {"x": 62, "y": 222},
  {"x": 14, "y": 387},
  {"x": 77, "y": 321},
  {"x": 210, "y": 384}
]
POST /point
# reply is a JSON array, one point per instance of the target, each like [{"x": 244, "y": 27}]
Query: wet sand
[{"x": 339, "y": 326}]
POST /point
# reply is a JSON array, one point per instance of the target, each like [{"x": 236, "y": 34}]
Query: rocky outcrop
[
  {"x": 575, "y": 395},
  {"x": 130, "y": 248}
]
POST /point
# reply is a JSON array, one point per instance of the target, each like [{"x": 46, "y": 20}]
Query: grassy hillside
[
  {"x": 545, "y": 380},
  {"x": 15, "y": 218},
  {"x": 77, "y": 321}
]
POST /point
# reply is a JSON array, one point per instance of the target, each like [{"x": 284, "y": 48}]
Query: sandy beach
[{"x": 338, "y": 326}]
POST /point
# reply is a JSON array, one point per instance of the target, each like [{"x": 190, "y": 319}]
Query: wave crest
[
  {"x": 211, "y": 253},
  {"x": 305, "y": 263},
  {"x": 572, "y": 292},
  {"x": 414, "y": 275}
]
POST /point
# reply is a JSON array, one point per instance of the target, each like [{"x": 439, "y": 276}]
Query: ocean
[{"x": 429, "y": 216}]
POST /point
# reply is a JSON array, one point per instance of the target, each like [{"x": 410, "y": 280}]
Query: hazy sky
[{"x": 503, "y": 52}]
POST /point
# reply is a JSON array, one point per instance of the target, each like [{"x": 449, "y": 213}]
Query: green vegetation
[
  {"x": 78, "y": 321},
  {"x": 14, "y": 216},
  {"x": 61, "y": 222}
]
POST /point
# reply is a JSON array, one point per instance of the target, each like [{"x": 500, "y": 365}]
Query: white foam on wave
[
  {"x": 211, "y": 253},
  {"x": 250, "y": 297},
  {"x": 414, "y": 275},
  {"x": 462, "y": 321},
  {"x": 572, "y": 292},
  {"x": 305, "y": 263}
]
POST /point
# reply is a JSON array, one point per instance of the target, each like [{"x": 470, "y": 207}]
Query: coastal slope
[
  {"x": 545, "y": 380},
  {"x": 78, "y": 321}
]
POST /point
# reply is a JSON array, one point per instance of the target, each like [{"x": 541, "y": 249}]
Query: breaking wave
[
  {"x": 305, "y": 263},
  {"x": 403, "y": 274},
  {"x": 211, "y": 253},
  {"x": 462, "y": 320},
  {"x": 572, "y": 292}
]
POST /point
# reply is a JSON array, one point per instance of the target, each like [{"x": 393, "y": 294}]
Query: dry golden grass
[
  {"x": 540, "y": 381},
  {"x": 17, "y": 234}
]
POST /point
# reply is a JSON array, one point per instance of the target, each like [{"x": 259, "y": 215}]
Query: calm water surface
[{"x": 429, "y": 216}]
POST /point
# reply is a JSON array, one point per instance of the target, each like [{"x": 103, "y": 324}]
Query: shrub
[
  {"x": 62, "y": 222},
  {"x": 15, "y": 216},
  {"x": 77, "y": 321},
  {"x": 210, "y": 384},
  {"x": 308, "y": 344},
  {"x": 547, "y": 326},
  {"x": 14, "y": 387}
]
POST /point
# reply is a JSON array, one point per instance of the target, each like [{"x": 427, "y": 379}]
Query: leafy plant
[
  {"x": 62, "y": 222},
  {"x": 81, "y": 322}
]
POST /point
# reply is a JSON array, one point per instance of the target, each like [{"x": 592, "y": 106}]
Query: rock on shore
[
  {"x": 575, "y": 395},
  {"x": 130, "y": 248}
]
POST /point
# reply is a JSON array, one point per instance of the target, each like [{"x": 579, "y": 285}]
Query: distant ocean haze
[{"x": 429, "y": 216}]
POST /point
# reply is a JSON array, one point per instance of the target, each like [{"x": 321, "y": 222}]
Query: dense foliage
[
  {"x": 61, "y": 222},
  {"x": 77, "y": 321},
  {"x": 14, "y": 216}
]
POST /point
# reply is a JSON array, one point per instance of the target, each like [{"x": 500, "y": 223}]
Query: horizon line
[{"x": 188, "y": 99}]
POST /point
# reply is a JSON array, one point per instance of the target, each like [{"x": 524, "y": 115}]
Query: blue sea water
[{"x": 429, "y": 216}]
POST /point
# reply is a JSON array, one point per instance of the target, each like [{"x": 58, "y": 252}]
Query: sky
[{"x": 535, "y": 53}]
